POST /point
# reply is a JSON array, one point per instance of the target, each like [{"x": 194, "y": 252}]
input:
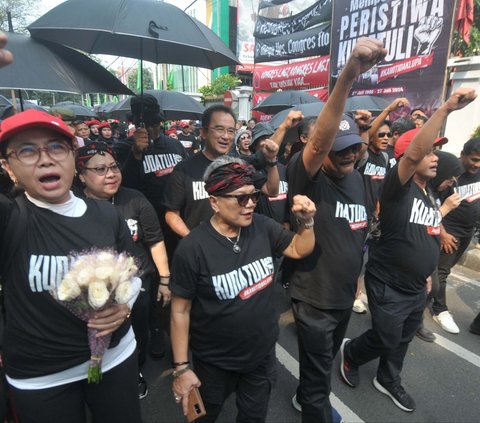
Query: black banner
[
  {"x": 416, "y": 34},
  {"x": 319, "y": 12},
  {"x": 312, "y": 42},
  {"x": 269, "y": 3}
]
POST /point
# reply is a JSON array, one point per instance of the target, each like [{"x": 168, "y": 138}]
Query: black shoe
[
  {"x": 157, "y": 344},
  {"x": 348, "y": 370},
  {"x": 142, "y": 387},
  {"x": 474, "y": 329},
  {"x": 398, "y": 395},
  {"x": 425, "y": 335}
]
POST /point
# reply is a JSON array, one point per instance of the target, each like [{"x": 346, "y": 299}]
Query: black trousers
[
  {"x": 320, "y": 334},
  {"x": 395, "y": 318},
  {"x": 252, "y": 389},
  {"x": 113, "y": 400},
  {"x": 445, "y": 264}
]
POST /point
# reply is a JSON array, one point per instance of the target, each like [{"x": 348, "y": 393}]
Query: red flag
[{"x": 464, "y": 18}]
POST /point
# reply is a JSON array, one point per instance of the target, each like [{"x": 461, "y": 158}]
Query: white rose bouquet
[{"x": 97, "y": 279}]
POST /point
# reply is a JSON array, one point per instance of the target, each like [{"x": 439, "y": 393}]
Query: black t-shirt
[
  {"x": 189, "y": 142},
  {"x": 373, "y": 172},
  {"x": 391, "y": 155},
  {"x": 186, "y": 190},
  {"x": 233, "y": 323},
  {"x": 276, "y": 207},
  {"x": 409, "y": 247},
  {"x": 42, "y": 336},
  {"x": 142, "y": 221},
  {"x": 461, "y": 221},
  {"x": 152, "y": 173},
  {"x": 327, "y": 278}
]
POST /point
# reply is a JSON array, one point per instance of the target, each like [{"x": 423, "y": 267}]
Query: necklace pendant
[{"x": 236, "y": 248}]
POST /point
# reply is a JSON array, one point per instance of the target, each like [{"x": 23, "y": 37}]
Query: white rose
[
  {"x": 131, "y": 267},
  {"x": 105, "y": 256},
  {"x": 123, "y": 293},
  {"x": 104, "y": 272},
  {"x": 97, "y": 294},
  {"x": 68, "y": 289},
  {"x": 85, "y": 276}
]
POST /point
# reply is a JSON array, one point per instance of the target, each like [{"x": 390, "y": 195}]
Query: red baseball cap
[
  {"x": 405, "y": 139},
  {"x": 184, "y": 125},
  {"x": 104, "y": 125},
  {"x": 93, "y": 122},
  {"x": 32, "y": 119}
]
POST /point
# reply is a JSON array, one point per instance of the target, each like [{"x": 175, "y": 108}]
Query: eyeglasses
[
  {"x": 243, "y": 199},
  {"x": 245, "y": 137},
  {"x": 220, "y": 130},
  {"x": 383, "y": 134},
  {"x": 30, "y": 154},
  {"x": 103, "y": 170}
]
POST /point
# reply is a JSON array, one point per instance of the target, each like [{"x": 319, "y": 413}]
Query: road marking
[
  {"x": 457, "y": 350},
  {"x": 291, "y": 365},
  {"x": 465, "y": 279}
]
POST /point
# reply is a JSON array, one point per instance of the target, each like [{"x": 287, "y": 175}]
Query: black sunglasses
[
  {"x": 243, "y": 199},
  {"x": 382, "y": 134}
]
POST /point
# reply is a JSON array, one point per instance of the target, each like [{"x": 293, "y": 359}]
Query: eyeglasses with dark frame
[
  {"x": 243, "y": 199},
  {"x": 220, "y": 130},
  {"x": 383, "y": 134},
  {"x": 103, "y": 170},
  {"x": 30, "y": 154}
]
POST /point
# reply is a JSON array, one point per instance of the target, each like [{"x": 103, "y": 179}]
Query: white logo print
[{"x": 344, "y": 125}]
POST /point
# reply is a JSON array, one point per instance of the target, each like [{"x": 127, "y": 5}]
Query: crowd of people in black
[{"x": 214, "y": 216}]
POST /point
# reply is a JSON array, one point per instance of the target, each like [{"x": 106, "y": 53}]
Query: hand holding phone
[{"x": 196, "y": 408}]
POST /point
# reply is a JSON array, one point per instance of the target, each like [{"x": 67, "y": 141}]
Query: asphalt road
[{"x": 443, "y": 377}]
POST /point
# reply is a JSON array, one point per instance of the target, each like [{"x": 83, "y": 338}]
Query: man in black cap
[
  {"x": 323, "y": 284},
  {"x": 151, "y": 158}
]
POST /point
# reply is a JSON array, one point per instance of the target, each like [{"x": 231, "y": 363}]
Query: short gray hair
[{"x": 221, "y": 161}]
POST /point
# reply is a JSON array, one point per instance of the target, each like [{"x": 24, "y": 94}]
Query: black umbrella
[
  {"x": 175, "y": 105},
  {"x": 366, "y": 102},
  {"x": 77, "y": 108},
  {"x": 282, "y": 100},
  {"x": 44, "y": 66},
  {"x": 143, "y": 29}
]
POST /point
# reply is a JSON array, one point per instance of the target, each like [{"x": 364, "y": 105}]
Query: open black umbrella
[
  {"x": 366, "y": 102},
  {"x": 143, "y": 29},
  {"x": 77, "y": 108},
  {"x": 44, "y": 66},
  {"x": 282, "y": 100},
  {"x": 175, "y": 105}
]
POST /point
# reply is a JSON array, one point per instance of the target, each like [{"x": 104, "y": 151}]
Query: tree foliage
[
  {"x": 220, "y": 85},
  {"x": 23, "y": 13},
  {"x": 132, "y": 79},
  {"x": 459, "y": 46}
]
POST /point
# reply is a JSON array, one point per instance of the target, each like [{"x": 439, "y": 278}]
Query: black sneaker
[
  {"x": 398, "y": 395},
  {"x": 348, "y": 370},
  {"x": 157, "y": 344},
  {"x": 474, "y": 329},
  {"x": 424, "y": 334},
  {"x": 142, "y": 387}
]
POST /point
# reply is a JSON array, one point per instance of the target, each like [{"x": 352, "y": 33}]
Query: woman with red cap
[
  {"x": 45, "y": 347},
  {"x": 222, "y": 285},
  {"x": 105, "y": 133}
]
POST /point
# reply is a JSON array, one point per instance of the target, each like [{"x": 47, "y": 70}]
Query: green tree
[
  {"x": 220, "y": 85},
  {"x": 459, "y": 46},
  {"x": 23, "y": 13},
  {"x": 147, "y": 79}
]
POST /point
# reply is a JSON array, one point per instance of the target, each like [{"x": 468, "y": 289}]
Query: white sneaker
[
  {"x": 446, "y": 322},
  {"x": 359, "y": 307}
]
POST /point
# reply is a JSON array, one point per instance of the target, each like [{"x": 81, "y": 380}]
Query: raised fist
[
  {"x": 460, "y": 98},
  {"x": 366, "y": 53},
  {"x": 427, "y": 32}
]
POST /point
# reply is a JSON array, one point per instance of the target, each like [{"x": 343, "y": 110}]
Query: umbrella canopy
[
  {"x": 7, "y": 109},
  {"x": 308, "y": 110},
  {"x": 366, "y": 102},
  {"x": 143, "y": 29},
  {"x": 43, "y": 66},
  {"x": 77, "y": 108},
  {"x": 283, "y": 100},
  {"x": 175, "y": 105}
]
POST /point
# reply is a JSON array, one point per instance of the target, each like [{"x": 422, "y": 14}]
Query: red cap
[
  {"x": 32, "y": 119},
  {"x": 104, "y": 125},
  {"x": 405, "y": 139},
  {"x": 171, "y": 131},
  {"x": 93, "y": 122},
  {"x": 184, "y": 124}
]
